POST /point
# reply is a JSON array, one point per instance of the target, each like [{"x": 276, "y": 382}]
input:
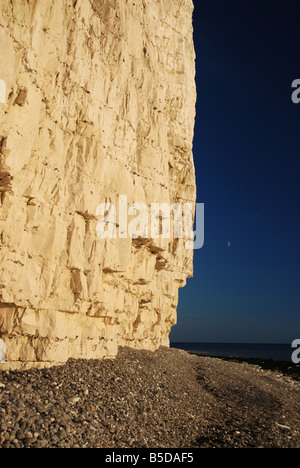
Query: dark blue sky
[{"x": 247, "y": 153}]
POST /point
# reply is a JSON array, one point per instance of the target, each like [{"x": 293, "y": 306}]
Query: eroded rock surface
[{"x": 100, "y": 102}]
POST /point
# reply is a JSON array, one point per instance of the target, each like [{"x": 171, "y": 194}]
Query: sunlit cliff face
[{"x": 97, "y": 103}]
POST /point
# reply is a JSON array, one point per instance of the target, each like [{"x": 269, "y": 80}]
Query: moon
[{"x": 228, "y": 244}]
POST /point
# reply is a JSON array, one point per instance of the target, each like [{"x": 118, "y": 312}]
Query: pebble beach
[{"x": 166, "y": 399}]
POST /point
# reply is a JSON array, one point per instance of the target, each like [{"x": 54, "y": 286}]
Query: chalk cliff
[{"x": 97, "y": 101}]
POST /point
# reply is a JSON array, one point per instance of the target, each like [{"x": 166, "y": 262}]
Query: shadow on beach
[{"x": 283, "y": 367}]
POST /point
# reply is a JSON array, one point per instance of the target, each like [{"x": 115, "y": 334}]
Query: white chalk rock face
[{"x": 100, "y": 103}]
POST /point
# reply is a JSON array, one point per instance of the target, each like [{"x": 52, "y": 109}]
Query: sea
[{"x": 276, "y": 352}]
